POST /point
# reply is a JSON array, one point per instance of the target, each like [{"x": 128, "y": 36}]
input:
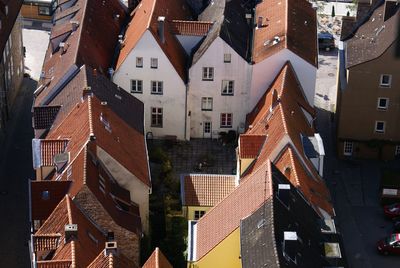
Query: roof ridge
[
  {"x": 293, "y": 164},
  {"x": 151, "y": 13},
  {"x": 283, "y": 118},
  {"x": 90, "y": 114}
]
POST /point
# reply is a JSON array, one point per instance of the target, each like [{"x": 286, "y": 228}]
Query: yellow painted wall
[
  {"x": 190, "y": 211},
  {"x": 244, "y": 164},
  {"x": 224, "y": 255}
]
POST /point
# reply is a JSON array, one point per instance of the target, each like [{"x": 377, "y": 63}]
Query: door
[{"x": 207, "y": 130}]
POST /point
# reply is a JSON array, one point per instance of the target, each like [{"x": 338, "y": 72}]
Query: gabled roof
[
  {"x": 145, "y": 17},
  {"x": 225, "y": 217},
  {"x": 250, "y": 145},
  {"x": 373, "y": 37},
  {"x": 230, "y": 24},
  {"x": 84, "y": 43},
  {"x": 280, "y": 116},
  {"x": 193, "y": 28},
  {"x": 111, "y": 261},
  {"x": 205, "y": 189},
  {"x": 293, "y": 23},
  {"x": 157, "y": 260},
  {"x": 78, "y": 251}
]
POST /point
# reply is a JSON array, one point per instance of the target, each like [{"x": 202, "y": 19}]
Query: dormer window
[
  {"x": 283, "y": 194},
  {"x": 289, "y": 246}
]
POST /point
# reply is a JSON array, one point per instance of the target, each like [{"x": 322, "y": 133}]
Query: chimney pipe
[{"x": 161, "y": 28}]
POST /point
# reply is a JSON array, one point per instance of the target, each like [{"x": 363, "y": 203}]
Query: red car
[
  {"x": 392, "y": 211},
  {"x": 389, "y": 245}
]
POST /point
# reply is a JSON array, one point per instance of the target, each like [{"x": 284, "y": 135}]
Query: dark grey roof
[
  {"x": 373, "y": 37},
  {"x": 262, "y": 233},
  {"x": 230, "y": 24}
]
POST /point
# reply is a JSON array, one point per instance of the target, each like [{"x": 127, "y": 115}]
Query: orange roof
[
  {"x": 225, "y": 217},
  {"x": 280, "y": 117},
  {"x": 157, "y": 260},
  {"x": 111, "y": 261},
  {"x": 205, "y": 189},
  {"x": 81, "y": 250},
  {"x": 293, "y": 22},
  {"x": 250, "y": 145},
  {"x": 50, "y": 148},
  {"x": 145, "y": 17},
  {"x": 196, "y": 28}
]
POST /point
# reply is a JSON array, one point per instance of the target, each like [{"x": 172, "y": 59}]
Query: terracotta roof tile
[
  {"x": 145, "y": 18},
  {"x": 46, "y": 242},
  {"x": 111, "y": 261},
  {"x": 282, "y": 124},
  {"x": 43, "y": 117},
  {"x": 50, "y": 148},
  {"x": 157, "y": 260},
  {"x": 195, "y": 28},
  {"x": 206, "y": 189},
  {"x": 293, "y": 22},
  {"x": 250, "y": 145},
  {"x": 225, "y": 217}
]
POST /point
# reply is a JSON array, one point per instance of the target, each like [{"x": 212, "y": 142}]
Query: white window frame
[
  {"x": 348, "y": 148},
  {"x": 157, "y": 87},
  {"x": 397, "y": 150},
  {"x": 227, "y": 57},
  {"x": 379, "y": 107},
  {"x": 378, "y": 130},
  {"x": 139, "y": 62},
  {"x": 228, "y": 88},
  {"x": 153, "y": 63},
  {"x": 136, "y": 84},
  {"x": 208, "y": 73},
  {"x": 206, "y": 104},
  {"x": 44, "y": 10},
  {"x": 389, "y": 84},
  {"x": 224, "y": 123},
  {"x": 156, "y": 112},
  {"x": 198, "y": 214}
]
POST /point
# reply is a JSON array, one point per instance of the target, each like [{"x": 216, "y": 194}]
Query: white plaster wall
[
  {"x": 139, "y": 192},
  {"x": 174, "y": 89},
  {"x": 265, "y": 72},
  {"x": 238, "y": 70},
  {"x": 188, "y": 42}
]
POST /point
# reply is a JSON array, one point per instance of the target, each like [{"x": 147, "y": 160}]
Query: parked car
[
  {"x": 392, "y": 211},
  {"x": 389, "y": 245},
  {"x": 326, "y": 41}
]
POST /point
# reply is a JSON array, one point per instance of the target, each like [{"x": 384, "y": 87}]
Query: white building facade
[
  {"x": 219, "y": 83},
  {"x": 148, "y": 74}
]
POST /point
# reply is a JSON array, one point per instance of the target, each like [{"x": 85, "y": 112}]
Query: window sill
[
  {"x": 153, "y": 67},
  {"x": 156, "y": 126},
  {"x": 139, "y": 66},
  {"x": 227, "y": 94},
  {"x": 153, "y": 93},
  {"x": 137, "y": 92},
  {"x": 379, "y": 132},
  {"x": 208, "y": 79},
  {"x": 385, "y": 86},
  {"x": 382, "y": 109},
  {"x": 225, "y": 126},
  {"x": 206, "y": 110}
]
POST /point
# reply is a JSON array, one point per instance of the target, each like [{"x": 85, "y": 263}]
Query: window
[
  {"x": 206, "y": 104},
  {"x": 45, "y": 195},
  {"x": 386, "y": 80},
  {"x": 198, "y": 214},
  {"x": 383, "y": 103},
  {"x": 348, "y": 148},
  {"x": 102, "y": 184},
  {"x": 208, "y": 73},
  {"x": 139, "y": 62},
  {"x": 157, "y": 87},
  {"x": 397, "y": 150},
  {"x": 44, "y": 11},
  {"x": 227, "y": 87},
  {"x": 379, "y": 126},
  {"x": 156, "y": 117},
  {"x": 227, "y": 58},
  {"x": 154, "y": 63},
  {"x": 136, "y": 86},
  {"x": 226, "y": 120}
]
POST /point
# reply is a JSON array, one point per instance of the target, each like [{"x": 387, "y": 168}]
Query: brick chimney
[{"x": 161, "y": 28}]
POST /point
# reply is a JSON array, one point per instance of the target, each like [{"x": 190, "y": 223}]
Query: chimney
[
  {"x": 111, "y": 248},
  {"x": 161, "y": 28},
  {"x": 71, "y": 232}
]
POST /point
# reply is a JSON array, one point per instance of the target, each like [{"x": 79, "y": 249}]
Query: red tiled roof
[
  {"x": 50, "y": 148},
  {"x": 81, "y": 250},
  {"x": 195, "y": 28},
  {"x": 250, "y": 145},
  {"x": 225, "y": 217},
  {"x": 294, "y": 22},
  {"x": 205, "y": 189},
  {"x": 283, "y": 124},
  {"x": 145, "y": 18},
  {"x": 46, "y": 242},
  {"x": 43, "y": 117},
  {"x": 157, "y": 260},
  {"x": 111, "y": 261}
]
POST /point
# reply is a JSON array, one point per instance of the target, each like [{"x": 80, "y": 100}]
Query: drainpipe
[{"x": 186, "y": 109}]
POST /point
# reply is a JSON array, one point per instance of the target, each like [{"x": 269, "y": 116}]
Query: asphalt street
[{"x": 15, "y": 172}]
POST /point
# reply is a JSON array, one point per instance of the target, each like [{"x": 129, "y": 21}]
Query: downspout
[{"x": 186, "y": 111}]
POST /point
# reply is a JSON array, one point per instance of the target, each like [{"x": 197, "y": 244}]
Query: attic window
[
  {"x": 105, "y": 122},
  {"x": 283, "y": 194}
]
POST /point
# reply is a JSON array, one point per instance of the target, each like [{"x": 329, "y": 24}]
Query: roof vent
[
  {"x": 104, "y": 103},
  {"x": 277, "y": 39},
  {"x": 71, "y": 232},
  {"x": 161, "y": 26},
  {"x": 74, "y": 24},
  {"x": 289, "y": 246},
  {"x": 111, "y": 248},
  {"x": 64, "y": 47},
  {"x": 283, "y": 194},
  {"x": 60, "y": 161}
]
